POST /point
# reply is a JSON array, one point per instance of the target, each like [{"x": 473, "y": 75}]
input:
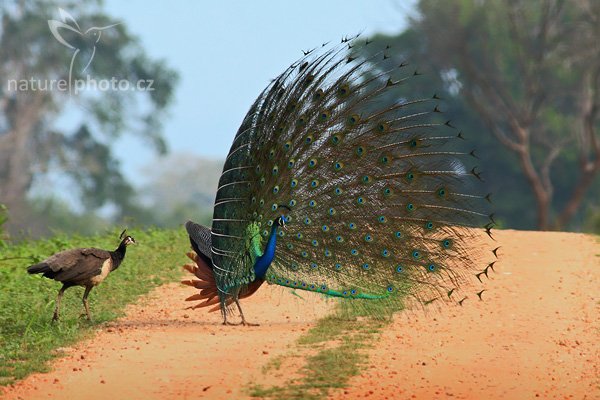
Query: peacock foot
[{"x": 242, "y": 322}]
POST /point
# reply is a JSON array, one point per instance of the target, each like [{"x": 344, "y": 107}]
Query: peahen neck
[
  {"x": 262, "y": 263},
  {"x": 118, "y": 255}
]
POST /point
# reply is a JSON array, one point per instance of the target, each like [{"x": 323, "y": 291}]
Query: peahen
[
  {"x": 86, "y": 267},
  {"x": 330, "y": 187}
]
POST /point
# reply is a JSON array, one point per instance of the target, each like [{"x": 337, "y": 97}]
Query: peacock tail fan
[{"x": 379, "y": 200}]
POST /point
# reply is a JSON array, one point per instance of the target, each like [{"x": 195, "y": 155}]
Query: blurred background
[{"x": 520, "y": 78}]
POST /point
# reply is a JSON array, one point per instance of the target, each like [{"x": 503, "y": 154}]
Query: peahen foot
[{"x": 85, "y": 316}]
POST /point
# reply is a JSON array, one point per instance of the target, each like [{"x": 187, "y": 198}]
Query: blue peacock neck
[{"x": 262, "y": 263}]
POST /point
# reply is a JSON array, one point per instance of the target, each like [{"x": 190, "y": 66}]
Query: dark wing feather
[
  {"x": 200, "y": 240},
  {"x": 77, "y": 265}
]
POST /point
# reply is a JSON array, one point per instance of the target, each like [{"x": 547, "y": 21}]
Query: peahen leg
[
  {"x": 58, "y": 298},
  {"x": 85, "y": 302}
]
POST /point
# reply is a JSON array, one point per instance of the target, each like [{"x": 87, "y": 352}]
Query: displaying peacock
[{"x": 330, "y": 187}]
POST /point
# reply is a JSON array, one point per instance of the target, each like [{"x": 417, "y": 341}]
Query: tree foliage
[
  {"x": 30, "y": 143},
  {"x": 2, "y": 222},
  {"x": 531, "y": 71},
  {"x": 525, "y": 75},
  {"x": 193, "y": 178}
]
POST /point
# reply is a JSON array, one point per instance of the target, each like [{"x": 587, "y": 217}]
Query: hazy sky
[{"x": 227, "y": 51}]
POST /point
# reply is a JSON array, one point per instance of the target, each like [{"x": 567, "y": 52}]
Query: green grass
[
  {"x": 28, "y": 338},
  {"x": 334, "y": 351},
  {"x": 331, "y": 352}
]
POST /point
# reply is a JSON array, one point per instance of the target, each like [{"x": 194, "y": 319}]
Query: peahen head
[{"x": 126, "y": 240}]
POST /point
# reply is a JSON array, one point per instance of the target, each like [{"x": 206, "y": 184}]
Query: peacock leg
[
  {"x": 225, "y": 322},
  {"x": 244, "y": 322}
]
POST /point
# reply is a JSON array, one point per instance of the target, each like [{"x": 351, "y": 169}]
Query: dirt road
[{"x": 537, "y": 334}]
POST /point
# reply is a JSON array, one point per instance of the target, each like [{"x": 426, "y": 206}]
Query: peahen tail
[
  {"x": 41, "y": 268},
  {"x": 379, "y": 197}
]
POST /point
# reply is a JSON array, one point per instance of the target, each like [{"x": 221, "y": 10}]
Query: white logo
[
  {"x": 68, "y": 33},
  {"x": 92, "y": 35}
]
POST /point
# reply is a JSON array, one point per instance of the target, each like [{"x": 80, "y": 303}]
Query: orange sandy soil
[{"x": 537, "y": 334}]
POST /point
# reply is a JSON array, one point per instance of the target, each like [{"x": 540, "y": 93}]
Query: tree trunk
[
  {"x": 589, "y": 145},
  {"x": 540, "y": 192},
  {"x": 16, "y": 154}
]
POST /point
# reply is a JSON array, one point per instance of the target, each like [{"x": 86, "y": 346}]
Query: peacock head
[
  {"x": 282, "y": 219},
  {"x": 126, "y": 239}
]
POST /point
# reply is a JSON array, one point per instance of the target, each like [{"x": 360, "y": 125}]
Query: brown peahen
[
  {"x": 330, "y": 187},
  {"x": 86, "y": 267}
]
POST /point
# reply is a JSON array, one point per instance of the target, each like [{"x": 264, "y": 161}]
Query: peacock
[{"x": 338, "y": 184}]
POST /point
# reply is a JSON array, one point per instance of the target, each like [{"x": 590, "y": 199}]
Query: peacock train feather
[{"x": 330, "y": 187}]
